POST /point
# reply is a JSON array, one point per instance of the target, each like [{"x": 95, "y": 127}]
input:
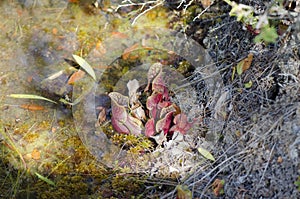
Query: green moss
[
  {"x": 31, "y": 137},
  {"x": 22, "y": 129},
  {"x": 66, "y": 187},
  {"x": 157, "y": 17},
  {"x": 191, "y": 13},
  {"x": 126, "y": 186},
  {"x": 134, "y": 144},
  {"x": 44, "y": 125},
  {"x": 185, "y": 68}
]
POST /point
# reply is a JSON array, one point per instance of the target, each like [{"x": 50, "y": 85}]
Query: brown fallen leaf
[
  {"x": 119, "y": 35},
  {"x": 32, "y": 107},
  {"x": 245, "y": 64},
  {"x": 76, "y": 76},
  {"x": 127, "y": 51},
  {"x": 248, "y": 61},
  {"x": 218, "y": 187}
]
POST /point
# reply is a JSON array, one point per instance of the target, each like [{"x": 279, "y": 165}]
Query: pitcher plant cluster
[{"x": 157, "y": 115}]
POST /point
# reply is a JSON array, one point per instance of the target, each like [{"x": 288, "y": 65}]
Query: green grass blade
[
  {"x": 48, "y": 181},
  {"x": 239, "y": 67},
  {"x": 29, "y": 96},
  {"x": 86, "y": 66}
]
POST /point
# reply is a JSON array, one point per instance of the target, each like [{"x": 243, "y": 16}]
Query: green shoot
[{"x": 48, "y": 181}]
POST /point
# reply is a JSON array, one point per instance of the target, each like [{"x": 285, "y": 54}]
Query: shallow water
[{"x": 36, "y": 37}]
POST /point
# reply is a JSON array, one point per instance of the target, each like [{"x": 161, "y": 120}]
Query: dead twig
[
  {"x": 151, "y": 5},
  {"x": 267, "y": 165}
]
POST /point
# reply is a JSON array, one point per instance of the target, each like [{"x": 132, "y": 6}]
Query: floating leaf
[
  {"x": 206, "y": 154},
  {"x": 45, "y": 179},
  {"x": 29, "y": 96},
  {"x": 86, "y": 66},
  {"x": 248, "y": 85},
  {"x": 54, "y": 31}
]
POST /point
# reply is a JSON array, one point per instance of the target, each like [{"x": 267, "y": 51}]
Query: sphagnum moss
[{"x": 135, "y": 144}]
